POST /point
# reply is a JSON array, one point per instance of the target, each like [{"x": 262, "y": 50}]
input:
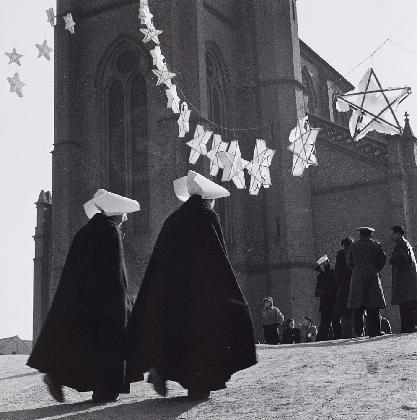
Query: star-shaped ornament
[
  {"x": 258, "y": 167},
  {"x": 303, "y": 146},
  {"x": 44, "y": 50},
  {"x": 173, "y": 99},
  {"x": 184, "y": 120},
  {"x": 164, "y": 76},
  {"x": 199, "y": 143},
  {"x": 51, "y": 16},
  {"x": 373, "y": 107},
  {"x": 158, "y": 59},
  {"x": 233, "y": 165},
  {"x": 151, "y": 34},
  {"x": 16, "y": 85},
  {"x": 217, "y": 146},
  {"x": 14, "y": 57},
  {"x": 69, "y": 23},
  {"x": 145, "y": 16}
]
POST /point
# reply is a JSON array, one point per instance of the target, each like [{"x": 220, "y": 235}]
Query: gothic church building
[{"x": 242, "y": 64}]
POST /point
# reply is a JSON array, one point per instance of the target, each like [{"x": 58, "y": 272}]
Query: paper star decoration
[
  {"x": 69, "y": 23},
  {"x": 16, "y": 85},
  {"x": 218, "y": 145},
  {"x": 145, "y": 16},
  {"x": 373, "y": 107},
  {"x": 158, "y": 60},
  {"x": 51, "y": 16},
  {"x": 233, "y": 165},
  {"x": 44, "y": 50},
  {"x": 303, "y": 146},
  {"x": 14, "y": 57},
  {"x": 164, "y": 76},
  {"x": 199, "y": 143},
  {"x": 184, "y": 120},
  {"x": 151, "y": 34},
  {"x": 258, "y": 167},
  {"x": 173, "y": 99}
]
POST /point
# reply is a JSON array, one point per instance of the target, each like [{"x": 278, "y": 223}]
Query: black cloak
[
  {"x": 82, "y": 340},
  {"x": 327, "y": 289},
  {"x": 190, "y": 319}
]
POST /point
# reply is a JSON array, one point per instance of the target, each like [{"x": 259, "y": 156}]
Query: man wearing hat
[
  {"x": 190, "y": 323},
  {"x": 343, "y": 277},
  {"x": 366, "y": 259},
  {"x": 81, "y": 344},
  {"x": 404, "y": 279},
  {"x": 326, "y": 289}
]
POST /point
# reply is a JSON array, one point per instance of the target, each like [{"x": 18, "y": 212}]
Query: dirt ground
[{"x": 345, "y": 379}]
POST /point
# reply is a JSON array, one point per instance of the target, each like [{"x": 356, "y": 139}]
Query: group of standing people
[
  {"x": 190, "y": 322},
  {"x": 352, "y": 292}
]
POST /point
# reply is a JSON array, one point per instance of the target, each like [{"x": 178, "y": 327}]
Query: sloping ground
[{"x": 348, "y": 379}]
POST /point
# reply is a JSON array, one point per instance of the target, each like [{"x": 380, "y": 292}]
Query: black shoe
[
  {"x": 198, "y": 395},
  {"x": 54, "y": 388},
  {"x": 158, "y": 381},
  {"x": 103, "y": 398}
]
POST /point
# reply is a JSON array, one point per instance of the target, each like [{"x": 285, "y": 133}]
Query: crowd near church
[{"x": 351, "y": 295}]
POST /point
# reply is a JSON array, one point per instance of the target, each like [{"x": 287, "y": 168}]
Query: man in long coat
[
  {"x": 366, "y": 259},
  {"x": 81, "y": 344},
  {"x": 190, "y": 323},
  {"x": 326, "y": 289},
  {"x": 343, "y": 277},
  {"x": 404, "y": 279}
]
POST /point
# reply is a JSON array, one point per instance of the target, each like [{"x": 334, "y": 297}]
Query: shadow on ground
[{"x": 152, "y": 409}]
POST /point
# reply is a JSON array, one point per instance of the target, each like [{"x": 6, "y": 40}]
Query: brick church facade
[{"x": 241, "y": 63}]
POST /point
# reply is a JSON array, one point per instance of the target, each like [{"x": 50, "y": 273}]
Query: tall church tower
[{"x": 238, "y": 63}]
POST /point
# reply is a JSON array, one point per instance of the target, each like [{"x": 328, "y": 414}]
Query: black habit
[
  {"x": 190, "y": 319},
  {"x": 82, "y": 340}
]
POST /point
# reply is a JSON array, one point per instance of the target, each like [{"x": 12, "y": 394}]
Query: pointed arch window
[
  {"x": 125, "y": 129},
  {"x": 310, "y": 96},
  {"x": 217, "y": 95}
]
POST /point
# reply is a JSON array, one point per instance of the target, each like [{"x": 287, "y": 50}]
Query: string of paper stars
[{"x": 44, "y": 50}]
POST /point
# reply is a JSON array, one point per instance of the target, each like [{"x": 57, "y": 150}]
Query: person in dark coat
[
  {"x": 366, "y": 259},
  {"x": 190, "y": 323},
  {"x": 291, "y": 334},
  {"x": 326, "y": 289},
  {"x": 404, "y": 279},
  {"x": 308, "y": 331},
  {"x": 343, "y": 277},
  {"x": 272, "y": 318},
  {"x": 81, "y": 344}
]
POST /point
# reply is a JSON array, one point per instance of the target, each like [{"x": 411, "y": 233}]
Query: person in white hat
[
  {"x": 190, "y": 323},
  {"x": 326, "y": 290},
  {"x": 81, "y": 344}
]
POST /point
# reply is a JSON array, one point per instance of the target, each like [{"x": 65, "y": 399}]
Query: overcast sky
[{"x": 342, "y": 32}]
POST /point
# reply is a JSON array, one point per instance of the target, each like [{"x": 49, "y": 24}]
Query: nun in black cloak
[
  {"x": 190, "y": 323},
  {"x": 82, "y": 341}
]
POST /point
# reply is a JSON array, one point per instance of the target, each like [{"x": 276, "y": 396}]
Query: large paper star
[
  {"x": 199, "y": 143},
  {"x": 173, "y": 99},
  {"x": 158, "y": 59},
  {"x": 164, "y": 76},
  {"x": 44, "y": 50},
  {"x": 69, "y": 23},
  {"x": 145, "y": 16},
  {"x": 373, "y": 107},
  {"x": 233, "y": 165},
  {"x": 258, "y": 167},
  {"x": 151, "y": 34},
  {"x": 218, "y": 145},
  {"x": 303, "y": 146},
  {"x": 16, "y": 85},
  {"x": 51, "y": 16},
  {"x": 14, "y": 57},
  {"x": 184, "y": 120}
]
